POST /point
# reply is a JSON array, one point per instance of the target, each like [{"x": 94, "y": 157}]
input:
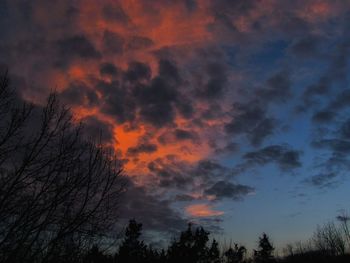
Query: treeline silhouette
[
  {"x": 194, "y": 246},
  {"x": 59, "y": 190}
]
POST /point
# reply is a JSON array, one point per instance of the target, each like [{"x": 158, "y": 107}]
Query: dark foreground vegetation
[
  {"x": 58, "y": 188},
  {"x": 59, "y": 191},
  {"x": 194, "y": 245}
]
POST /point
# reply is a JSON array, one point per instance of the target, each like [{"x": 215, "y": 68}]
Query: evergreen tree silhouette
[
  {"x": 191, "y": 247},
  {"x": 265, "y": 252},
  {"x": 214, "y": 252},
  {"x": 95, "y": 255},
  {"x": 235, "y": 254},
  {"x": 132, "y": 249}
]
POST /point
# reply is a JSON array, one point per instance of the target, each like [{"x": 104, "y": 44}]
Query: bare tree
[
  {"x": 329, "y": 240},
  {"x": 343, "y": 218},
  {"x": 58, "y": 191}
]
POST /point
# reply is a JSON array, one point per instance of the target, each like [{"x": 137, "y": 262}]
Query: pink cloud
[{"x": 202, "y": 210}]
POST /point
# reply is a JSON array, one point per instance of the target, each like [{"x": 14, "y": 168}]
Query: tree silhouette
[
  {"x": 265, "y": 252},
  {"x": 235, "y": 254},
  {"x": 214, "y": 252},
  {"x": 132, "y": 249},
  {"x": 191, "y": 247},
  {"x": 343, "y": 218},
  {"x": 95, "y": 255},
  {"x": 329, "y": 239},
  {"x": 58, "y": 191}
]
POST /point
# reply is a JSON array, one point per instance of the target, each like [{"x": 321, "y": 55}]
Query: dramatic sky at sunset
[{"x": 233, "y": 114}]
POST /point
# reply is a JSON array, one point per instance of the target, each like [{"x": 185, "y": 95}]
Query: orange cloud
[
  {"x": 162, "y": 26},
  {"x": 202, "y": 210}
]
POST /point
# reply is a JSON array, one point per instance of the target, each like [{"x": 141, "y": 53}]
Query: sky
[{"x": 231, "y": 114}]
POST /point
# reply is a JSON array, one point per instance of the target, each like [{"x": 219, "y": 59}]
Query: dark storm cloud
[
  {"x": 137, "y": 71},
  {"x": 77, "y": 46},
  {"x": 183, "y": 198},
  {"x": 171, "y": 172},
  {"x": 108, "y": 69},
  {"x": 216, "y": 84},
  {"x": 185, "y": 135},
  {"x": 238, "y": 6},
  {"x": 323, "y": 116},
  {"x": 277, "y": 88},
  {"x": 97, "y": 130},
  {"x": 263, "y": 129},
  {"x": 115, "y": 13},
  {"x": 177, "y": 174},
  {"x": 208, "y": 177},
  {"x": 338, "y": 68},
  {"x": 154, "y": 213},
  {"x": 335, "y": 145},
  {"x": 293, "y": 24},
  {"x": 113, "y": 42},
  {"x": 223, "y": 11},
  {"x": 210, "y": 169},
  {"x": 223, "y": 23},
  {"x": 157, "y": 99},
  {"x": 322, "y": 180},
  {"x": 138, "y": 42},
  {"x": 133, "y": 91},
  {"x": 169, "y": 71},
  {"x": 142, "y": 148},
  {"x": 341, "y": 101},
  {"x": 313, "y": 92},
  {"x": 224, "y": 189},
  {"x": 79, "y": 93},
  {"x": 156, "y": 102},
  {"x": 117, "y": 102},
  {"x": 4, "y": 14},
  {"x": 344, "y": 130},
  {"x": 33, "y": 48},
  {"x": 285, "y": 157},
  {"x": 185, "y": 108},
  {"x": 191, "y": 5},
  {"x": 337, "y": 162},
  {"x": 178, "y": 135},
  {"x": 306, "y": 47},
  {"x": 332, "y": 81},
  {"x": 318, "y": 89},
  {"x": 213, "y": 112},
  {"x": 252, "y": 121},
  {"x": 174, "y": 182},
  {"x": 246, "y": 119},
  {"x": 229, "y": 148}
]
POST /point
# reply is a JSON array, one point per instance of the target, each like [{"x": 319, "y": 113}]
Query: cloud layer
[{"x": 192, "y": 95}]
